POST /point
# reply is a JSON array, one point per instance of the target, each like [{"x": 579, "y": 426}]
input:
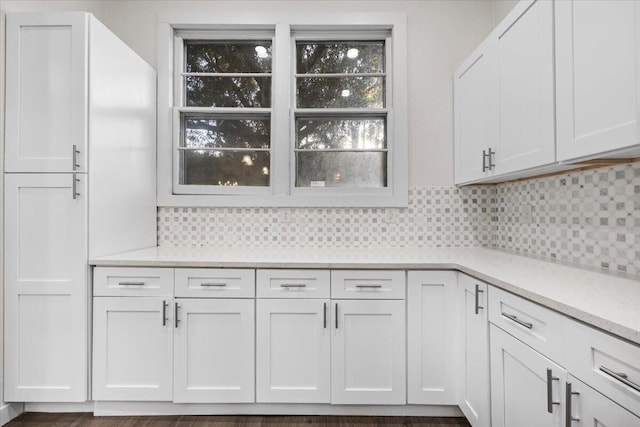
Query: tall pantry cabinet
[{"x": 79, "y": 171}]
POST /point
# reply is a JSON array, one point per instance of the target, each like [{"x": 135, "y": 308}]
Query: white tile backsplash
[{"x": 590, "y": 217}]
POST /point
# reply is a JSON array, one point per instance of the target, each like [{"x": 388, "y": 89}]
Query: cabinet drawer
[
  {"x": 606, "y": 363},
  {"x": 292, "y": 283},
  {"x": 537, "y": 326},
  {"x": 368, "y": 284},
  {"x": 215, "y": 283},
  {"x": 131, "y": 281}
]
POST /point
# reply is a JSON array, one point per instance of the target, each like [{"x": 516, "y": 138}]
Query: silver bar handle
[
  {"x": 130, "y": 283},
  {"x": 518, "y": 321},
  {"x": 484, "y": 160},
  {"x": 213, "y": 285},
  {"x": 164, "y": 312},
  {"x": 293, "y": 285},
  {"x": 568, "y": 395},
  {"x": 478, "y": 292},
  {"x": 175, "y": 314},
  {"x": 550, "y": 401},
  {"x": 74, "y": 159},
  {"x": 324, "y": 318},
  {"x": 74, "y": 186},
  {"x": 622, "y": 377},
  {"x": 336, "y": 315},
  {"x": 491, "y": 163},
  {"x": 368, "y": 286}
]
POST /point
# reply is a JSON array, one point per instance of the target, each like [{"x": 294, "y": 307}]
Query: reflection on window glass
[
  {"x": 228, "y": 91},
  {"x": 204, "y": 132},
  {"x": 341, "y": 169},
  {"x": 225, "y": 168},
  {"x": 348, "y": 134},
  {"x": 211, "y": 56},
  {"x": 340, "y": 92},
  {"x": 340, "y": 57}
]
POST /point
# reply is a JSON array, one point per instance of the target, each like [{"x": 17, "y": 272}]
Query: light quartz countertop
[{"x": 607, "y": 301}]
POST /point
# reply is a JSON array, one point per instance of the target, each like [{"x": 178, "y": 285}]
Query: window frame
[{"x": 282, "y": 191}]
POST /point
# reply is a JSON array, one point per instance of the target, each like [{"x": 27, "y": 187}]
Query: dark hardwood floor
[{"x": 87, "y": 420}]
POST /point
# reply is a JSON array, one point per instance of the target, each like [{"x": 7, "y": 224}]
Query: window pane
[
  {"x": 200, "y": 132},
  {"x": 340, "y": 57},
  {"x": 342, "y": 169},
  {"x": 225, "y": 168},
  {"x": 322, "y": 133},
  {"x": 340, "y": 92},
  {"x": 228, "y": 91},
  {"x": 207, "y": 56}
]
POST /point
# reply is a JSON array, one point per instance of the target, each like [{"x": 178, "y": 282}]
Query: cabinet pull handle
[
  {"x": 491, "y": 164},
  {"x": 550, "y": 380},
  {"x": 212, "y": 285},
  {"x": 293, "y": 285},
  {"x": 336, "y": 315},
  {"x": 130, "y": 283},
  {"x": 368, "y": 286},
  {"x": 569, "y": 394},
  {"x": 164, "y": 313},
  {"x": 177, "y": 307},
  {"x": 478, "y": 291},
  {"x": 74, "y": 159},
  {"x": 518, "y": 321},
  {"x": 622, "y": 377},
  {"x": 74, "y": 186},
  {"x": 484, "y": 160},
  {"x": 324, "y": 319}
]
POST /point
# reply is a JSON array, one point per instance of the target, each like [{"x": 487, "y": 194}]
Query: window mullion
[{"x": 280, "y": 120}]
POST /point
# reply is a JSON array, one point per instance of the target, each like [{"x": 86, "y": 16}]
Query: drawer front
[
  {"x": 606, "y": 363},
  {"x": 132, "y": 281},
  {"x": 368, "y": 284},
  {"x": 536, "y": 326},
  {"x": 215, "y": 283},
  {"x": 292, "y": 283}
]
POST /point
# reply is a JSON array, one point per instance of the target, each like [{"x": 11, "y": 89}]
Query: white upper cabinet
[
  {"x": 597, "y": 83},
  {"x": 46, "y": 115},
  {"x": 525, "y": 82},
  {"x": 476, "y": 114}
]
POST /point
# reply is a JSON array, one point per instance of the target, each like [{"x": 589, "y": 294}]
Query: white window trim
[{"x": 281, "y": 195}]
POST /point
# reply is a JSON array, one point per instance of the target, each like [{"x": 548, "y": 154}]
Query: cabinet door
[
  {"x": 597, "y": 67},
  {"x": 132, "y": 348},
  {"x": 526, "y": 86},
  {"x": 527, "y": 389},
  {"x": 475, "y": 113},
  {"x": 587, "y": 407},
  {"x": 293, "y": 354},
  {"x": 46, "y": 92},
  {"x": 214, "y": 351},
  {"x": 431, "y": 337},
  {"x": 368, "y": 352},
  {"x": 45, "y": 277},
  {"x": 475, "y": 385}
]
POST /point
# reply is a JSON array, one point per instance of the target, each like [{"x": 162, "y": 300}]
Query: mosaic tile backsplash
[{"x": 590, "y": 218}]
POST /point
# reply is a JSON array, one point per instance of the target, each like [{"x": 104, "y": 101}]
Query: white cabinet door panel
[
  {"x": 431, "y": 337},
  {"x": 45, "y": 289},
  {"x": 293, "y": 353},
  {"x": 594, "y": 409},
  {"x": 132, "y": 349},
  {"x": 598, "y": 78},
  {"x": 368, "y": 352},
  {"x": 46, "y": 92},
  {"x": 519, "y": 385},
  {"x": 214, "y": 351}
]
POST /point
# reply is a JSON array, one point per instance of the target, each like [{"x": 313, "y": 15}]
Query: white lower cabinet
[
  {"x": 432, "y": 343},
  {"x": 475, "y": 382},
  {"x": 587, "y": 407},
  {"x": 368, "y": 352},
  {"x": 213, "y": 350},
  {"x": 132, "y": 349},
  {"x": 527, "y": 389},
  {"x": 293, "y": 351}
]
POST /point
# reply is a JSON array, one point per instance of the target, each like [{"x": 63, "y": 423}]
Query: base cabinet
[
  {"x": 368, "y": 352},
  {"x": 587, "y": 407},
  {"x": 213, "y": 351},
  {"x": 293, "y": 351},
  {"x": 132, "y": 349},
  {"x": 475, "y": 387}
]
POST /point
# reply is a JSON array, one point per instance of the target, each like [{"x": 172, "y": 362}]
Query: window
[{"x": 308, "y": 113}]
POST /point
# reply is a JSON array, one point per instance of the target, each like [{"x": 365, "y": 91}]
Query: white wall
[{"x": 501, "y": 8}]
